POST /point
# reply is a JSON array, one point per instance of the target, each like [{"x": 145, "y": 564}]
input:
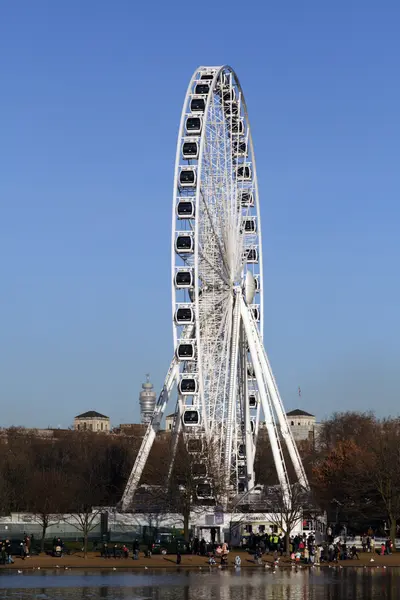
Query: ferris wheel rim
[{"x": 220, "y": 75}]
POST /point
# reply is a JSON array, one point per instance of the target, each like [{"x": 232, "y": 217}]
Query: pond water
[{"x": 318, "y": 584}]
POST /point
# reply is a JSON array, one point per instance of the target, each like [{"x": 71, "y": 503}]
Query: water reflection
[{"x": 318, "y": 584}]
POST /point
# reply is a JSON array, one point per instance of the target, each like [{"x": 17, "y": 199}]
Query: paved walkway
[{"x": 95, "y": 561}]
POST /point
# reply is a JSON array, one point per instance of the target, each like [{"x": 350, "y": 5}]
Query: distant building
[
  {"x": 92, "y": 421},
  {"x": 169, "y": 422},
  {"x": 147, "y": 401},
  {"x": 131, "y": 429},
  {"x": 303, "y": 425}
]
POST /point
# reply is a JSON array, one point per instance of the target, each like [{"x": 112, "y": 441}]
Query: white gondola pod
[
  {"x": 243, "y": 172},
  {"x": 198, "y": 104},
  {"x": 250, "y": 255},
  {"x": 242, "y": 471},
  {"x": 255, "y": 311},
  {"x": 184, "y": 243},
  {"x": 199, "y": 470},
  {"x": 184, "y": 314},
  {"x": 186, "y": 350},
  {"x": 184, "y": 278},
  {"x": 231, "y": 110},
  {"x": 245, "y": 198},
  {"x": 236, "y": 126},
  {"x": 257, "y": 282},
  {"x": 207, "y": 75},
  {"x": 186, "y": 208},
  {"x": 204, "y": 491},
  {"x": 250, "y": 371},
  {"x": 187, "y": 177},
  {"x": 190, "y": 148},
  {"x": 194, "y": 445},
  {"x": 191, "y": 417},
  {"x": 188, "y": 384},
  {"x": 249, "y": 225},
  {"x": 253, "y": 401},
  {"x": 201, "y": 89},
  {"x": 194, "y": 124},
  {"x": 239, "y": 148},
  {"x": 228, "y": 94}
]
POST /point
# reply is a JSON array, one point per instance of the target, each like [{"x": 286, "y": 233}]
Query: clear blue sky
[{"x": 91, "y": 94}]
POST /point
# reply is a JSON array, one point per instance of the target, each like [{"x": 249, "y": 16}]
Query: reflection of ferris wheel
[{"x": 220, "y": 367}]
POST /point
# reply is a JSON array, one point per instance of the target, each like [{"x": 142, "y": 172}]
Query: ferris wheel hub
[{"x": 249, "y": 287}]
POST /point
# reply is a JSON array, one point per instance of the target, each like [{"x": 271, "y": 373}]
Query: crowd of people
[
  {"x": 120, "y": 550},
  {"x": 6, "y": 554},
  {"x": 302, "y": 548}
]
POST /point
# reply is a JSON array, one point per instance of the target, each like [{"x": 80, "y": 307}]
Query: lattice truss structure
[{"x": 224, "y": 381}]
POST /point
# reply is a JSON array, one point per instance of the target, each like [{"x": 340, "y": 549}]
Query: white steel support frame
[{"x": 224, "y": 261}]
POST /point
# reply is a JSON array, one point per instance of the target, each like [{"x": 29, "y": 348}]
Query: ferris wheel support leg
[
  {"x": 249, "y": 439},
  {"x": 149, "y": 437},
  {"x": 262, "y": 388},
  {"x": 175, "y": 434},
  {"x": 232, "y": 391},
  {"x": 282, "y": 419},
  {"x": 249, "y": 443}
]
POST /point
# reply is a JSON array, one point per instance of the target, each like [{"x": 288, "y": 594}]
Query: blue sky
[{"x": 90, "y": 102}]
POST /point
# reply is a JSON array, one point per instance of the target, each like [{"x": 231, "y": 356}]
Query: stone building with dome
[{"x": 92, "y": 421}]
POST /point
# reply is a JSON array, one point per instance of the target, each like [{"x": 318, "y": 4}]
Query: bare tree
[
  {"x": 49, "y": 499},
  {"x": 382, "y": 469},
  {"x": 286, "y": 512},
  {"x": 89, "y": 481}
]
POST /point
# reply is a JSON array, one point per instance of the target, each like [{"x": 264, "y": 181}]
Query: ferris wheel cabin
[
  {"x": 194, "y": 445},
  {"x": 190, "y": 150},
  {"x": 187, "y": 177},
  {"x": 185, "y": 350},
  {"x": 249, "y": 225},
  {"x": 184, "y": 315},
  {"x": 250, "y": 255},
  {"x": 229, "y": 95},
  {"x": 202, "y": 89},
  {"x": 243, "y": 173},
  {"x": 191, "y": 417},
  {"x": 204, "y": 491},
  {"x": 184, "y": 243},
  {"x": 194, "y": 125},
  {"x": 231, "y": 110},
  {"x": 253, "y": 401},
  {"x": 185, "y": 209},
  {"x": 246, "y": 198},
  {"x": 199, "y": 470},
  {"x": 242, "y": 471},
  {"x": 197, "y": 104},
  {"x": 207, "y": 76},
  {"x": 188, "y": 386},
  {"x": 239, "y": 149},
  {"x": 184, "y": 279}
]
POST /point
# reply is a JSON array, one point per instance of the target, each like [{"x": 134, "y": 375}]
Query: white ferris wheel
[{"x": 225, "y": 385}]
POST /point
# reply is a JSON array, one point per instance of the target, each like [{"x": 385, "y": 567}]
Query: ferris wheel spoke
[
  {"x": 215, "y": 236},
  {"x": 221, "y": 365}
]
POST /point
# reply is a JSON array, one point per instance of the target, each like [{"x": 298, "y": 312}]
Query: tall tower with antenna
[{"x": 147, "y": 401}]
